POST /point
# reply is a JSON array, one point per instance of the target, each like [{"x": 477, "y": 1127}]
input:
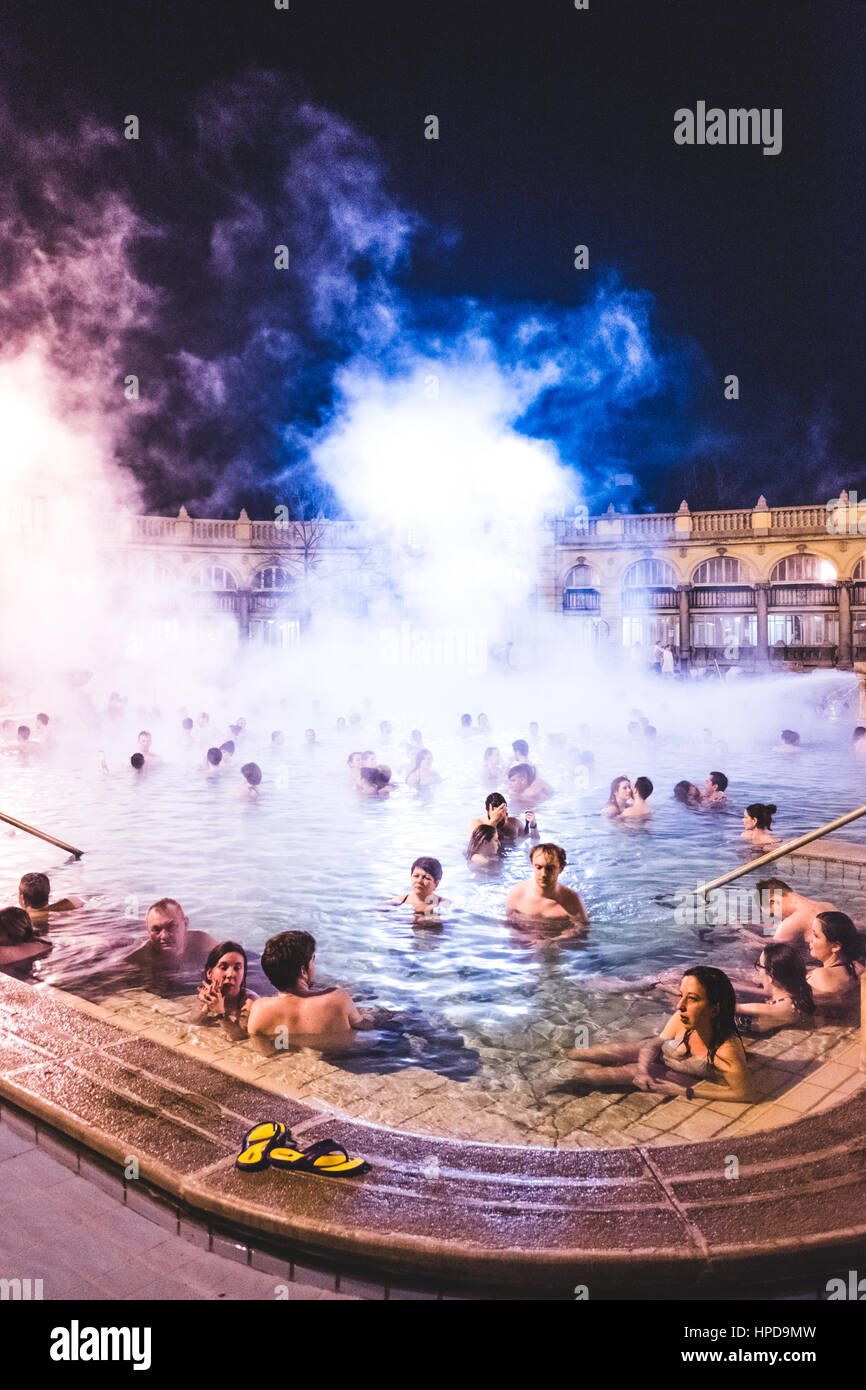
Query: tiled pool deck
[
  {"x": 461, "y": 1196},
  {"x": 536, "y": 1101}
]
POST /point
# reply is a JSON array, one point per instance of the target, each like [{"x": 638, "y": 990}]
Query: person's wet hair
[
  {"x": 858, "y": 733},
  {"x": 214, "y": 757},
  {"x": 790, "y": 736},
  {"x": 720, "y": 780},
  {"x": 493, "y": 800},
  {"x": 35, "y": 889},
  {"x": 840, "y": 931},
  {"x": 23, "y": 732},
  {"x": 772, "y": 885},
  {"x": 683, "y": 792},
  {"x": 555, "y": 851},
  {"x": 482, "y": 835},
  {"x": 15, "y": 926},
  {"x": 236, "y": 729},
  {"x": 217, "y": 954},
  {"x": 465, "y": 721},
  {"x": 762, "y": 814},
  {"x": 286, "y": 956},
  {"x": 430, "y": 866},
  {"x": 419, "y": 758},
  {"x": 277, "y": 736},
  {"x": 650, "y": 731},
  {"x": 614, "y": 788},
  {"x": 253, "y": 773},
  {"x": 525, "y": 771},
  {"x": 42, "y": 719},
  {"x": 187, "y": 723},
  {"x": 228, "y": 747},
  {"x": 643, "y": 786},
  {"x": 137, "y": 761},
  {"x": 521, "y": 749},
  {"x": 377, "y": 777},
  {"x": 785, "y": 966},
  {"x": 719, "y": 991},
  {"x": 145, "y": 733}
]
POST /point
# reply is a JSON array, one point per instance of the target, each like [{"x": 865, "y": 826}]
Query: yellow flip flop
[
  {"x": 325, "y": 1157},
  {"x": 258, "y": 1143}
]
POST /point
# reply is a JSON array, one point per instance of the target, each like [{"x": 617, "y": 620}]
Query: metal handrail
[
  {"x": 41, "y": 834},
  {"x": 787, "y": 848}
]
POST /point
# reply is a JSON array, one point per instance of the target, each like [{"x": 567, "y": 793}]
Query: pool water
[{"x": 311, "y": 855}]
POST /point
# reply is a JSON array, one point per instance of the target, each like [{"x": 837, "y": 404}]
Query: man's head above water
[{"x": 166, "y": 926}]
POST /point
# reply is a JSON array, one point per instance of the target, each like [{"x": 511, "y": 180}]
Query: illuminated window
[
  {"x": 722, "y": 569},
  {"x": 804, "y": 569},
  {"x": 213, "y": 577},
  {"x": 649, "y": 574}
]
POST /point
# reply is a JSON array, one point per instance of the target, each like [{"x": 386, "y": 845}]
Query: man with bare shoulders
[
  {"x": 526, "y": 787},
  {"x": 288, "y": 960},
  {"x": 793, "y": 912},
  {"x": 34, "y": 890},
  {"x": 170, "y": 945},
  {"x": 543, "y": 895},
  {"x": 509, "y": 828},
  {"x": 637, "y": 809}
]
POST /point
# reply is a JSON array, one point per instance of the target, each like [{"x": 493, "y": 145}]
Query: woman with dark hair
[
  {"x": 421, "y": 772},
  {"x": 374, "y": 781},
  {"x": 782, "y": 977},
  {"x": 223, "y": 992},
  {"x": 483, "y": 845},
  {"x": 833, "y": 942},
  {"x": 620, "y": 797},
  {"x": 757, "y": 820},
  {"x": 19, "y": 944},
  {"x": 687, "y": 794},
  {"x": 700, "y": 1040}
]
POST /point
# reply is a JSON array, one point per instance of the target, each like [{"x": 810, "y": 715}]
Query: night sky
[{"x": 556, "y": 128}]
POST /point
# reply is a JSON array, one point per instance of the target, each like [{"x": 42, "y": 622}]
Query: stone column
[
  {"x": 685, "y": 632},
  {"x": 762, "y": 652},
  {"x": 244, "y": 614},
  {"x": 844, "y": 652}
]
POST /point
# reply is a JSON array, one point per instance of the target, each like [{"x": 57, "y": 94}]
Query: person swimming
[
  {"x": 249, "y": 790},
  {"x": 170, "y": 945},
  {"x": 543, "y": 895},
  {"x": 425, "y": 877},
  {"x": 757, "y": 820},
  {"x": 715, "y": 789},
  {"x": 421, "y": 774},
  {"x": 642, "y": 790},
  {"x": 483, "y": 847},
  {"x": 34, "y": 891},
  {"x": 288, "y": 961},
  {"x": 620, "y": 797},
  {"x": 833, "y": 942},
  {"x": 509, "y": 828},
  {"x": 525, "y": 785},
  {"x": 20, "y": 944},
  {"x": 687, "y": 794},
  {"x": 700, "y": 1040}
]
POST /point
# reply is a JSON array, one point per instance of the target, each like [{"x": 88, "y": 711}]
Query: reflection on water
[{"x": 310, "y": 855}]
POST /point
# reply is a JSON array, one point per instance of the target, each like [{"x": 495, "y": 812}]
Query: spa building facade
[{"x": 762, "y": 588}]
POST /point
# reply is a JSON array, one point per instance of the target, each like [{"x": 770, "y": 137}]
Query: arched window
[
  {"x": 273, "y": 577},
  {"x": 580, "y": 577},
  {"x": 721, "y": 569},
  {"x": 650, "y": 574},
  {"x": 213, "y": 577},
  {"x": 804, "y": 569},
  {"x": 859, "y": 575}
]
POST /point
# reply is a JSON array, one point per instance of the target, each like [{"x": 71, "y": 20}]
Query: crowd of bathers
[{"x": 809, "y": 970}]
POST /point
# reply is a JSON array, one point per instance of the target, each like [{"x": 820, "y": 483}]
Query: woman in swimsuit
[
  {"x": 223, "y": 994},
  {"x": 620, "y": 797},
  {"x": 832, "y": 941},
  {"x": 757, "y": 820},
  {"x": 700, "y": 1040},
  {"x": 781, "y": 976},
  {"x": 426, "y": 875}
]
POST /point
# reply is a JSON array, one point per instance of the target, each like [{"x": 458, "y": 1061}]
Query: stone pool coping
[{"x": 435, "y": 1217}]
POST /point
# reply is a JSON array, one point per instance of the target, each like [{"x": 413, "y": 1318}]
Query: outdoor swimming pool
[{"x": 311, "y": 855}]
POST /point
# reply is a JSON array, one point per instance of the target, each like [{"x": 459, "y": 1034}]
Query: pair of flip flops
[{"x": 270, "y": 1145}]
